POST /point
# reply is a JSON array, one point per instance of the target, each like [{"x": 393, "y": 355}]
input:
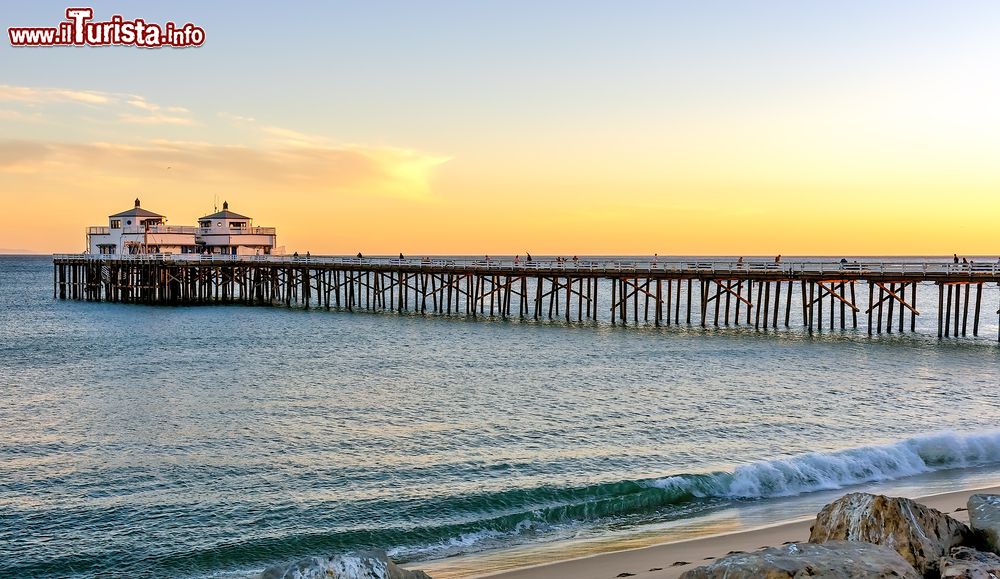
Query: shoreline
[{"x": 669, "y": 560}]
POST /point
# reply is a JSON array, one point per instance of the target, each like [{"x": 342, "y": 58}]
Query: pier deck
[{"x": 665, "y": 291}]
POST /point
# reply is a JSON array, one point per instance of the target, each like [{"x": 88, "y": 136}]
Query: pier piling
[{"x": 727, "y": 293}]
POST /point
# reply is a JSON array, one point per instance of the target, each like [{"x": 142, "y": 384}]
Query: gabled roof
[
  {"x": 225, "y": 213},
  {"x": 136, "y": 212}
]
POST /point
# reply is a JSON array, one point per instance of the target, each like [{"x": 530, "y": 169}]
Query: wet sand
[{"x": 670, "y": 560}]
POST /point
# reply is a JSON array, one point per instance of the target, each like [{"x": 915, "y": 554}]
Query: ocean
[{"x": 213, "y": 441}]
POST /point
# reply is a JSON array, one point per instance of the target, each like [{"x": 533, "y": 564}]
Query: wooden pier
[{"x": 756, "y": 294}]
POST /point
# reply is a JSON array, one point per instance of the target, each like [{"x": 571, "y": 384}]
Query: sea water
[{"x": 216, "y": 440}]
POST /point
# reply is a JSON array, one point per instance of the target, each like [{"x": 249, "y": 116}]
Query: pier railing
[
  {"x": 236, "y": 230},
  {"x": 104, "y": 230},
  {"x": 749, "y": 267},
  {"x": 184, "y": 229}
]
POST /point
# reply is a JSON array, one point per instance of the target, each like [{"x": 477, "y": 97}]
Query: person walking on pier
[
  {"x": 777, "y": 258},
  {"x": 401, "y": 258},
  {"x": 955, "y": 258}
]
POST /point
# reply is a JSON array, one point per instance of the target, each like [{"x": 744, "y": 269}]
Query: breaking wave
[
  {"x": 833, "y": 470},
  {"x": 532, "y": 510}
]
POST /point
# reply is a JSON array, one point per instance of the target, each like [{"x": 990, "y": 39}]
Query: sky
[{"x": 488, "y": 127}]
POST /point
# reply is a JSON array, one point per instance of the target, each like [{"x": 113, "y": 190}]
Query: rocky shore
[
  {"x": 369, "y": 565},
  {"x": 864, "y": 535}
]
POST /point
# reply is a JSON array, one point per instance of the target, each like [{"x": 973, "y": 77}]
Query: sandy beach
[{"x": 670, "y": 560}]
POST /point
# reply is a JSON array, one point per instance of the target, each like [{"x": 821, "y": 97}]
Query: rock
[
  {"x": 984, "y": 518},
  {"x": 831, "y": 560},
  {"x": 966, "y": 563},
  {"x": 921, "y": 535},
  {"x": 369, "y": 565}
]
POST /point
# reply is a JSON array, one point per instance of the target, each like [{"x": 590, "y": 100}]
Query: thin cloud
[
  {"x": 13, "y": 115},
  {"x": 350, "y": 170},
  {"x": 39, "y": 95},
  {"x": 157, "y": 115},
  {"x": 18, "y": 156},
  {"x": 142, "y": 104},
  {"x": 288, "y": 137},
  {"x": 155, "y": 119},
  {"x": 270, "y": 156},
  {"x": 236, "y": 118}
]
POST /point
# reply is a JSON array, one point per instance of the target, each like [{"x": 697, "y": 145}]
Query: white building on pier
[
  {"x": 230, "y": 233},
  {"x": 140, "y": 231}
]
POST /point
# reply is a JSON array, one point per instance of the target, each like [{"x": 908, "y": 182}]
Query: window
[
  {"x": 129, "y": 222},
  {"x": 116, "y": 224},
  {"x": 237, "y": 224},
  {"x": 204, "y": 224}
]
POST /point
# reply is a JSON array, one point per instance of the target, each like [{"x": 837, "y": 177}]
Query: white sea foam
[{"x": 833, "y": 470}]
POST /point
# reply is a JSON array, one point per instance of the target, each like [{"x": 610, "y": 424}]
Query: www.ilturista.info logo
[{"x": 79, "y": 30}]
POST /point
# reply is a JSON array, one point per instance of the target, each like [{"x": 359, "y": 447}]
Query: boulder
[
  {"x": 966, "y": 563},
  {"x": 831, "y": 560},
  {"x": 369, "y": 565},
  {"x": 984, "y": 518},
  {"x": 921, "y": 535}
]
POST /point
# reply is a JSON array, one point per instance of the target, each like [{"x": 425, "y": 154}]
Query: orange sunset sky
[{"x": 849, "y": 128}]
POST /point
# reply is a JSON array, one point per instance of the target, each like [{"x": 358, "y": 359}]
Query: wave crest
[
  {"x": 833, "y": 470},
  {"x": 529, "y": 511}
]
